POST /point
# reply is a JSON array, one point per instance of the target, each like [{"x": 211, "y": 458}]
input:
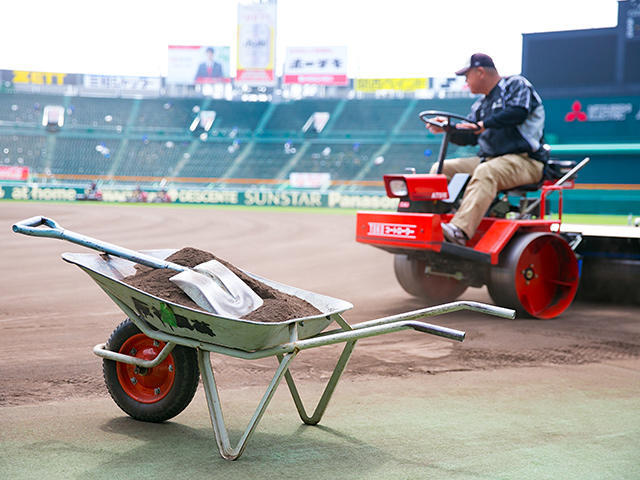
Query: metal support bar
[
  {"x": 215, "y": 408},
  {"x": 558, "y": 184},
  {"x": 328, "y": 391},
  {"x": 440, "y": 310},
  {"x": 101, "y": 351}
]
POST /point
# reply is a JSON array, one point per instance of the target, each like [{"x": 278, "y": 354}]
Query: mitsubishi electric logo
[
  {"x": 394, "y": 230},
  {"x": 600, "y": 112},
  {"x": 576, "y": 113}
]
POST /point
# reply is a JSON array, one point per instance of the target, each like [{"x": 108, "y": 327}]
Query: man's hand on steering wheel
[
  {"x": 477, "y": 128},
  {"x": 439, "y": 122},
  {"x": 433, "y": 126}
]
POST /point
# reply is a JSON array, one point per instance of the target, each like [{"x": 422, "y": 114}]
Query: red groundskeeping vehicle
[{"x": 525, "y": 260}]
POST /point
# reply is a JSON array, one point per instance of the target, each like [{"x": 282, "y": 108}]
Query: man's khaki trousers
[{"x": 487, "y": 179}]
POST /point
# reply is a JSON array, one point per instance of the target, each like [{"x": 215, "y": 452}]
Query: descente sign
[{"x": 250, "y": 197}]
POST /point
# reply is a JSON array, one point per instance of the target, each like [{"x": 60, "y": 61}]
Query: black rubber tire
[
  {"x": 432, "y": 288},
  {"x": 185, "y": 381}
]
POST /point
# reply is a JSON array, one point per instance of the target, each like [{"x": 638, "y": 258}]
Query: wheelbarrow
[{"x": 153, "y": 360}]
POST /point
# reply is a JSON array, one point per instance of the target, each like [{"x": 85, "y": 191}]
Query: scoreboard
[{"x": 593, "y": 59}]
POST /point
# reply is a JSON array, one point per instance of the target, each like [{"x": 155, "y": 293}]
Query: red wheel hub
[
  {"x": 546, "y": 277},
  {"x": 145, "y": 385}
]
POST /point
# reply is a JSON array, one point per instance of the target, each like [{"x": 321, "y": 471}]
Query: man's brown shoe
[{"x": 454, "y": 234}]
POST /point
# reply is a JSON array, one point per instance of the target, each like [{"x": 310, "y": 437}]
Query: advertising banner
[
  {"x": 41, "y": 78},
  {"x": 370, "y": 85},
  {"x": 581, "y": 200},
  {"x": 310, "y": 179},
  {"x": 256, "y": 44},
  {"x": 316, "y": 65},
  {"x": 196, "y": 64},
  {"x": 147, "y": 84},
  {"x": 250, "y": 197},
  {"x": 13, "y": 173},
  {"x": 585, "y": 119}
]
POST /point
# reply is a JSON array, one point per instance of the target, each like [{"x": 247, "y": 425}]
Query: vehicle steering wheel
[{"x": 448, "y": 124}]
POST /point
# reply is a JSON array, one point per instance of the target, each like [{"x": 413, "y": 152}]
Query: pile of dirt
[{"x": 277, "y": 306}]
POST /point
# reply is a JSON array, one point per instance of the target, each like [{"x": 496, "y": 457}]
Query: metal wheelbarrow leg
[
  {"x": 315, "y": 418},
  {"x": 227, "y": 451}
]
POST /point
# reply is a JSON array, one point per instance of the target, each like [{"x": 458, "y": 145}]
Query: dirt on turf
[
  {"x": 52, "y": 314},
  {"x": 277, "y": 307}
]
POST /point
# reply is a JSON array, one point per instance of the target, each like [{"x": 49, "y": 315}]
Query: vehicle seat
[{"x": 553, "y": 171}]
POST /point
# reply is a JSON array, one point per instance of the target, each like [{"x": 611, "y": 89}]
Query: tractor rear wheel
[
  {"x": 538, "y": 275},
  {"x": 411, "y": 275},
  {"x": 149, "y": 394}
]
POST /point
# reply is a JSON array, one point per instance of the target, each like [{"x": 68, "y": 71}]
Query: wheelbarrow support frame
[{"x": 285, "y": 354}]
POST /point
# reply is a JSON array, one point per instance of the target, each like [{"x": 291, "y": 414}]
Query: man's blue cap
[{"x": 477, "y": 60}]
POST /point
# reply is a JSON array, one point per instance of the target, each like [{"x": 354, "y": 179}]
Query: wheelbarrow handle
[{"x": 30, "y": 226}]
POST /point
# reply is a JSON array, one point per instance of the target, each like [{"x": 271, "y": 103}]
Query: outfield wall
[
  {"x": 249, "y": 197},
  {"x": 583, "y": 199}
]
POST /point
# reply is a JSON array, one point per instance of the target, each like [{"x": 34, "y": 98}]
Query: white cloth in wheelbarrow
[{"x": 277, "y": 306}]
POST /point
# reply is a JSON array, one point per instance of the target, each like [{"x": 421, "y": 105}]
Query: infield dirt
[{"x": 52, "y": 314}]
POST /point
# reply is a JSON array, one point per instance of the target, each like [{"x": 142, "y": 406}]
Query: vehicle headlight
[{"x": 398, "y": 187}]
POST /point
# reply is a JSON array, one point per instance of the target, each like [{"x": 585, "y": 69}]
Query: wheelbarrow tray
[{"x": 109, "y": 271}]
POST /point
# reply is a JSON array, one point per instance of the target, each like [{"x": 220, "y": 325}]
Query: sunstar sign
[{"x": 250, "y": 197}]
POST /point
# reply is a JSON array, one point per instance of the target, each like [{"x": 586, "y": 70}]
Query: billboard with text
[
  {"x": 256, "y": 44},
  {"x": 370, "y": 85},
  {"x": 9, "y": 172},
  {"x": 316, "y": 65},
  {"x": 197, "y": 64},
  {"x": 40, "y": 78}
]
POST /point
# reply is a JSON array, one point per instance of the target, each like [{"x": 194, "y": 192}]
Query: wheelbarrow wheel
[
  {"x": 537, "y": 275},
  {"x": 152, "y": 394},
  {"x": 411, "y": 276}
]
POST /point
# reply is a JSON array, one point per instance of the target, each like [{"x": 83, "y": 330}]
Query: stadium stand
[
  {"x": 211, "y": 160},
  {"x": 403, "y": 155},
  {"x": 106, "y": 113},
  {"x": 363, "y": 140},
  {"x": 172, "y": 114},
  {"x": 22, "y": 150},
  {"x": 243, "y": 116},
  {"x": 19, "y": 108},
  {"x": 370, "y": 117},
  {"x": 83, "y": 156},
  {"x": 266, "y": 160},
  {"x": 341, "y": 160},
  {"x": 289, "y": 118},
  {"x": 143, "y": 140},
  {"x": 150, "y": 158}
]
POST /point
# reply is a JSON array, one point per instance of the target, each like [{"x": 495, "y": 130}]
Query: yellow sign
[
  {"x": 403, "y": 84},
  {"x": 38, "y": 78}
]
